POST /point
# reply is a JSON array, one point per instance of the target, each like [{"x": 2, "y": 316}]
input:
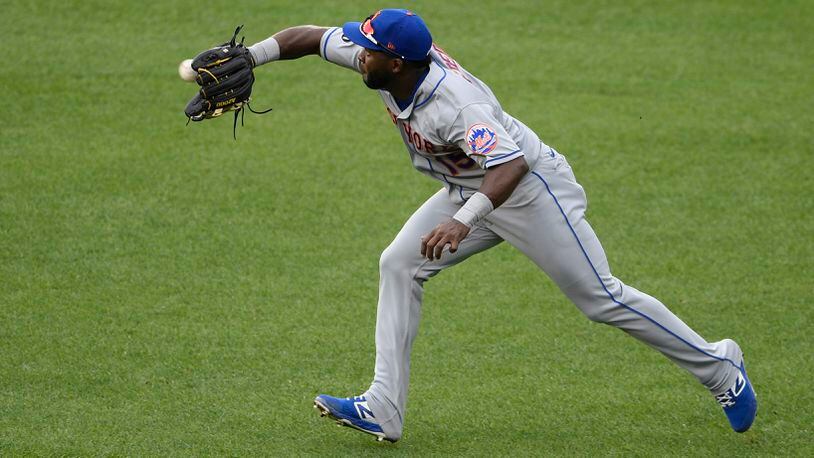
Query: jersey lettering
[
  {"x": 449, "y": 62},
  {"x": 428, "y": 146},
  {"x": 392, "y": 115},
  {"x": 452, "y": 157},
  {"x": 414, "y": 138}
]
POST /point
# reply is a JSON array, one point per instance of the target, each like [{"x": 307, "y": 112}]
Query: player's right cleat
[
  {"x": 352, "y": 412},
  {"x": 739, "y": 402}
]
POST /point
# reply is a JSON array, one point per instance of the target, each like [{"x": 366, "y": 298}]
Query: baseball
[{"x": 185, "y": 70}]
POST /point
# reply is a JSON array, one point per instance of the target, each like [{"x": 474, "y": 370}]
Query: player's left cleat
[
  {"x": 739, "y": 402},
  {"x": 352, "y": 412}
]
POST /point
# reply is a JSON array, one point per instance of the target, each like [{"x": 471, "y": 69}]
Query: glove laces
[{"x": 241, "y": 111}]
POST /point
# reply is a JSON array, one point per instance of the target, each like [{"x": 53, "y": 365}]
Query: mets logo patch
[{"x": 481, "y": 138}]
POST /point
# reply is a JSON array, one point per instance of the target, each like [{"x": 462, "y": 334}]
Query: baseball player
[{"x": 500, "y": 183}]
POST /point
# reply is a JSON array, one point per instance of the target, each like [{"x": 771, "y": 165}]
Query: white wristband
[
  {"x": 474, "y": 209},
  {"x": 265, "y": 51}
]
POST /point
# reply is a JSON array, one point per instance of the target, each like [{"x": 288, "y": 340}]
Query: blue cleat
[
  {"x": 739, "y": 402},
  {"x": 353, "y": 412}
]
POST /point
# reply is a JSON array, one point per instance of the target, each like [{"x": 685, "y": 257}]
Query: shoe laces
[{"x": 725, "y": 399}]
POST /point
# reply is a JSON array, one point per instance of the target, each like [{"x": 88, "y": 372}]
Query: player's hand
[{"x": 448, "y": 233}]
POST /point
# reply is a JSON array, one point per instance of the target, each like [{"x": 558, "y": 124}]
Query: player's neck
[{"x": 403, "y": 88}]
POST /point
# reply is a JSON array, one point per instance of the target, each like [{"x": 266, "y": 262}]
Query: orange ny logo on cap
[{"x": 367, "y": 26}]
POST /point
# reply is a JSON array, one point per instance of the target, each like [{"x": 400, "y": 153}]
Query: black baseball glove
[{"x": 226, "y": 78}]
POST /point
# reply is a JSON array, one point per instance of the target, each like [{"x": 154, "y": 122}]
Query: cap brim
[{"x": 354, "y": 34}]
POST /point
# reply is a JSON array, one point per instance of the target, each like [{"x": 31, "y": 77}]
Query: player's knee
[
  {"x": 593, "y": 301},
  {"x": 596, "y": 312},
  {"x": 393, "y": 262},
  {"x": 400, "y": 263}
]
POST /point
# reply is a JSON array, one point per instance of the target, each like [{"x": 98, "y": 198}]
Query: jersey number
[{"x": 456, "y": 161}]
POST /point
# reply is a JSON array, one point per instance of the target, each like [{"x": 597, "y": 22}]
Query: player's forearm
[
  {"x": 291, "y": 43},
  {"x": 296, "y": 42},
  {"x": 501, "y": 180},
  {"x": 498, "y": 184}
]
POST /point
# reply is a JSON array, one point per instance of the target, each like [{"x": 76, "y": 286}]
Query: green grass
[{"x": 165, "y": 290}]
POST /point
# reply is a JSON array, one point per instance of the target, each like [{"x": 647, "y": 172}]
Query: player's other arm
[
  {"x": 306, "y": 40},
  {"x": 290, "y": 43},
  {"x": 499, "y": 182},
  {"x": 480, "y": 135}
]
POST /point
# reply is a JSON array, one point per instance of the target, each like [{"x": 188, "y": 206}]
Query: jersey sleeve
[
  {"x": 479, "y": 134},
  {"x": 334, "y": 48}
]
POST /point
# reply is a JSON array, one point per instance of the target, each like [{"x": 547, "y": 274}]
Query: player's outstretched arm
[
  {"x": 290, "y": 43},
  {"x": 498, "y": 184}
]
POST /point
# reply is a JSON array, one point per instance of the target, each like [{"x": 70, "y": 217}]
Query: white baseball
[{"x": 185, "y": 70}]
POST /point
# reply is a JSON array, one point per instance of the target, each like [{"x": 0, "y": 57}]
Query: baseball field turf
[{"x": 166, "y": 290}]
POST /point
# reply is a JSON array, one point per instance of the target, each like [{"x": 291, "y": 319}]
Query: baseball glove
[{"x": 226, "y": 78}]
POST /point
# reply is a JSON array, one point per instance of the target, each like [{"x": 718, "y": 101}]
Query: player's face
[{"x": 376, "y": 69}]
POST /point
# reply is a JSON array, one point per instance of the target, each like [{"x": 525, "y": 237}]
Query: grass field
[{"x": 167, "y": 291}]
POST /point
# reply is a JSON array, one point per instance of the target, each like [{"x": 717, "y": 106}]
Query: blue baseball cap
[{"x": 397, "y": 32}]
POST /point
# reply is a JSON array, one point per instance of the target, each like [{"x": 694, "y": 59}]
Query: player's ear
[{"x": 397, "y": 65}]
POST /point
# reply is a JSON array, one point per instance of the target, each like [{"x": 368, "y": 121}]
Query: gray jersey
[{"x": 455, "y": 128}]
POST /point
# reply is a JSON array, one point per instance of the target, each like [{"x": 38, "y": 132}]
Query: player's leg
[
  {"x": 546, "y": 222},
  {"x": 403, "y": 272}
]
